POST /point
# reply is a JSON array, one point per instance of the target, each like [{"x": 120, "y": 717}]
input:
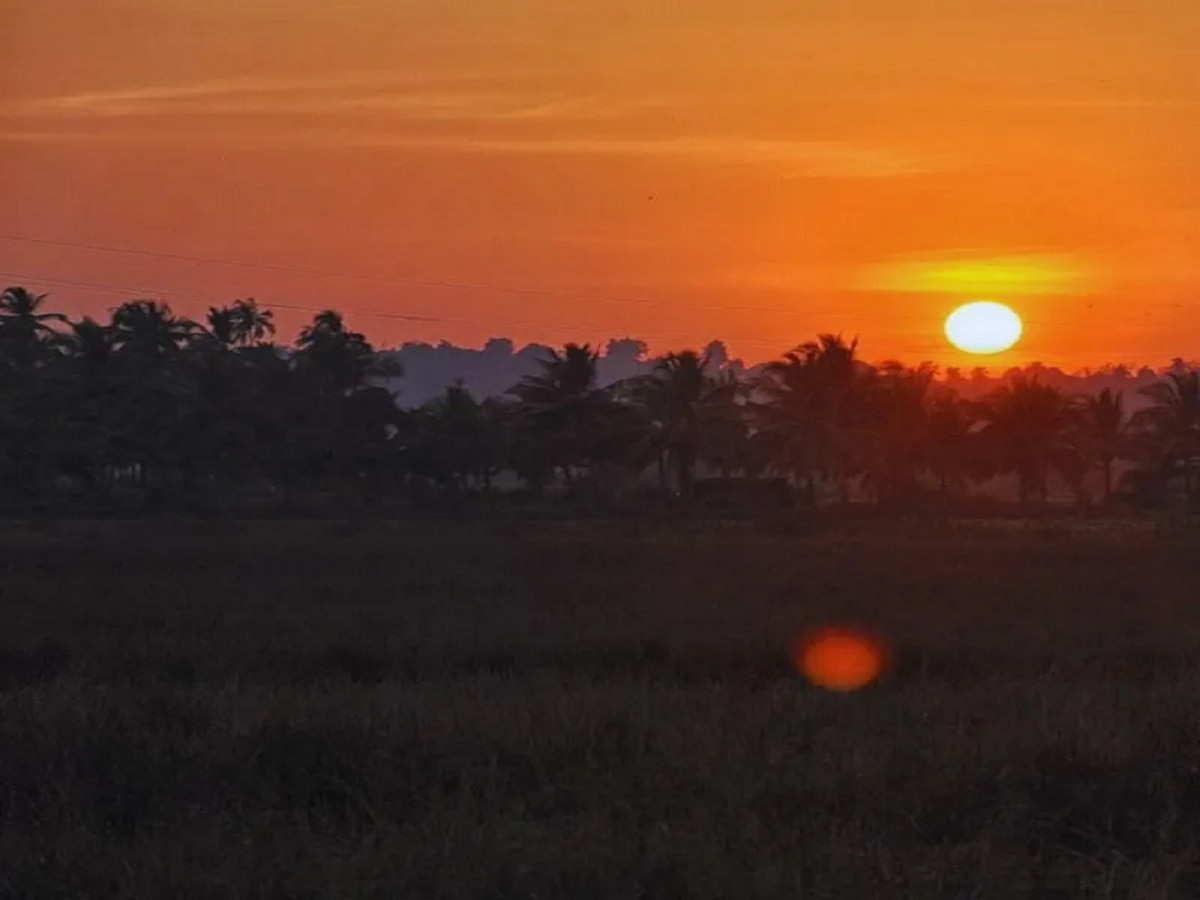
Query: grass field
[{"x": 309, "y": 710}]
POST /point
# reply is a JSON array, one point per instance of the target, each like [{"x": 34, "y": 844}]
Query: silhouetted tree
[
  {"x": 684, "y": 409},
  {"x": 1169, "y": 428},
  {"x": 146, "y": 331},
  {"x": 953, "y": 452},
  {"x": 240, "y": 324},
  {"x": 26, "y": 336},
  {"x": 334, "y": 365},
  {"x": 815, "y": 413},
  {"x": 898, "y": 446},
  {"x": 336, "y": 359},
  {"x": 455, "y": 441},
  {"x": 191, "y": 412},
  {"x": 1105, "y": 428},
  {"x": 1032, "y": 429},
  {"x": 562, "y": 410}
]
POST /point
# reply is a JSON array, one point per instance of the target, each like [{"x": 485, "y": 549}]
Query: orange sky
[{"x": 857, "y": 166}]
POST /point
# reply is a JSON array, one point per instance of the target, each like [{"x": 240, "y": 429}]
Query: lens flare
[{"x": 840, "y": 658}]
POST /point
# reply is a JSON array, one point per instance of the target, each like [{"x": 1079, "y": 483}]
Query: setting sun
[{"x": 983, "y": 327}]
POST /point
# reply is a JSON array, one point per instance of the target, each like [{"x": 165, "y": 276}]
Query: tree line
[{"x": 151, "y": 409}]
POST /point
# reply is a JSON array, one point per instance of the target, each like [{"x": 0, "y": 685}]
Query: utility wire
[
  {"x": 458, "y": 285},
  {"x": 562, "y": 329},
  {"x": 401, "y": 280}
]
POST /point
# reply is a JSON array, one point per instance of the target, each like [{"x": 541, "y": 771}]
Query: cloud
[
  {"x": 795, "y": 159},
  {"x": 461, "y": 97},
  {"x": 383, "y": 99},
  {"x": 787, "y": 159},
  {"x": 994, "y": 276},
  {"x": 137, "y": 99}
]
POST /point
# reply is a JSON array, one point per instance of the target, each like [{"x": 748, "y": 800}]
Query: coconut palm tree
[
  {"x": 251, "y": 324},
  {"x": 336, "y": 359},
  {"x": 1032, "y": 429},
  {"x": 953, "y": 452},
  {"x": 686, "y": 410},
  {"x": 899, "y": 437},
  {"x": 727, "y": 446},
  {"x": 814, "y": 415},
  {"x": 147, "y": 330},
  {"x": 26, "y": 335},
  {"x": 241, "y": 324},
  {"x": 1169, "y": 429},
  {"x": 331, "y": 368},
  {"x": 562, "y": 410},
  {"x": 1105, "y": 428},
  {"x": 454, "y": 441},
  {"x": 565, "y": 377},
  {"x": 90, "y": 344}
]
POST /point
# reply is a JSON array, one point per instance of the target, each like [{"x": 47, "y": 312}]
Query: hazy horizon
[{"x": 754, "y": 170}]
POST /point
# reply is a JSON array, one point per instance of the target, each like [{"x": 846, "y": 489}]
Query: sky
[{"x": 757, "y": 171}]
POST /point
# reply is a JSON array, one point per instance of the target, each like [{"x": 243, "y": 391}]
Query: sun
[{"x": 983, "y": 327}]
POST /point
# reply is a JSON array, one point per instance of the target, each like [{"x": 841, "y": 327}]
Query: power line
[
  {"x": 571, "y": 332},
  {"x": 452, "y": 285},
  {"x": 147, "y": 292},
  {"x": 396, "y": 279},
  {"x": 209, "y": 298}
]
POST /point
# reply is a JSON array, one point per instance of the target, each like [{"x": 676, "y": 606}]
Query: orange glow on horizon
[{"x": 753, "y": 171}]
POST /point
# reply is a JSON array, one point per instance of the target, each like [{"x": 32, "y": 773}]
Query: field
[{"x": 311, "y": 710}]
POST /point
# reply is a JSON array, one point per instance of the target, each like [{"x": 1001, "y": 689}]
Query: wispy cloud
[
  {"x": 461, "y": 97},
  {"x": 790, "y": 158},
  {"x": 785, "y": 159},
  {"x": 117, "y": 100},
  {"x": 394, "y": 99},
  {"x": 959, "y": 273}
]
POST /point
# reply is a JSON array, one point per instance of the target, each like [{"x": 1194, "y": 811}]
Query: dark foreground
[{"x": 318, "y": 710}]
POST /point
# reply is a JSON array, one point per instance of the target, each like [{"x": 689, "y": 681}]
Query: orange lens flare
[{"x": 840, "y": 658}]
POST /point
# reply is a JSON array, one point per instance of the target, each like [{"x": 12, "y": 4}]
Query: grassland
[{"x": 255, "y": 710}]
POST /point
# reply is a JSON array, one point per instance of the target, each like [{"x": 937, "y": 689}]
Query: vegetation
[
  {"x": 380, "y": 710},
  {"x": 496, "y": 707},
  {"x": 151, "y": 410}
]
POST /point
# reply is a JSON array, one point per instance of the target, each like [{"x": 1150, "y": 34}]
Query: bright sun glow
[{"x": 983, "y": 327}]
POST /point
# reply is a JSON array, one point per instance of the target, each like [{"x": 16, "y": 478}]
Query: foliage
[
  {"x": 1032, "y": 429},
  {"x": 152, "y": 408}
]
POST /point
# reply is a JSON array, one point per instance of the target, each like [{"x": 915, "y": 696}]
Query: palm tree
[
  {"x": 90, "y": 343},
  {"x": 157, "y": 409},
  {"x": 952, "y": 452},
  {"x": 333, "y": 367},
  {"x": 148, "y": 331},
  {"x": 1170, "y": 427},
  {"x": 815, "y": 414},
  {"x": 1105, "y": 431},
  {"x": 565, "y": 376},
  {"x": 1032, "y": 429},
  {"x": 562, "y": 408},
  {"x": 455, "y": 441},
  {"x": 338, "y": 360},
  {"x": 25, "y": 331},
  {"x": 900, "y": 432},
  {"x": 240, "y": 324},
  {"x": 684, "y": 407},
  {"x": 220, "y": 325}
]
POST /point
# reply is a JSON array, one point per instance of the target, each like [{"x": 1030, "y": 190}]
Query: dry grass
[{"x": 315, "y": 710}]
